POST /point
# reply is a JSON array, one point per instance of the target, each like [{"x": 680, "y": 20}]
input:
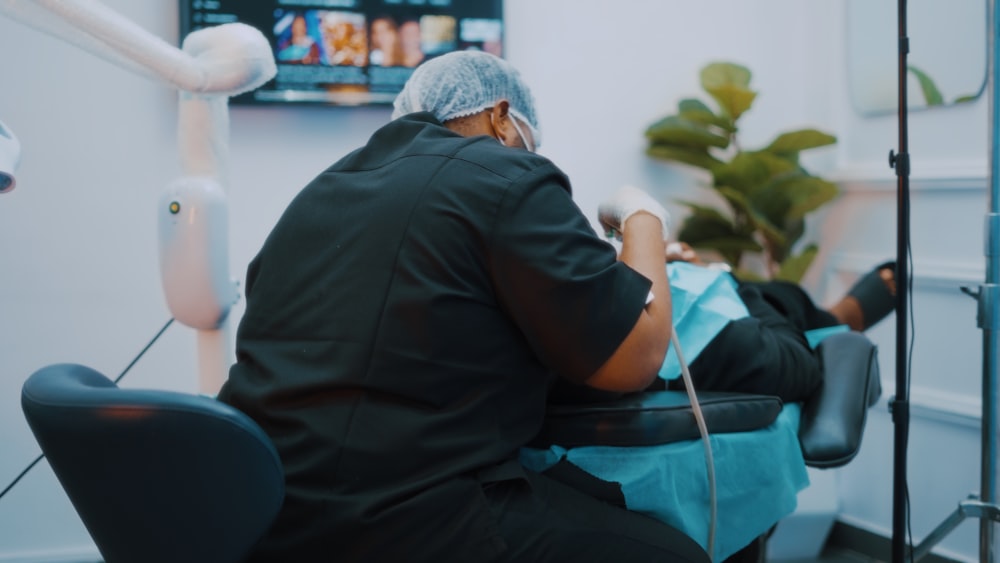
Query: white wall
[{"x": 78, "y": 240}]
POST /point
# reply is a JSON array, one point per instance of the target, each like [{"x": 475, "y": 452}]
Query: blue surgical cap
[{"x": 462, "y": 83}]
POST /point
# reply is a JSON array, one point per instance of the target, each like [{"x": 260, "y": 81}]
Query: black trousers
[
  {"x": 543, "y": 520},
  {"x": 767, "y": 352}
]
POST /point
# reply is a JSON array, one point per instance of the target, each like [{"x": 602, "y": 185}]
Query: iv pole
[
  {"x": 983, "y": 505},
  {"x": 899, "y": 407}
]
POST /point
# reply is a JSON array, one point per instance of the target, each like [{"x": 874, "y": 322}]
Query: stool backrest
[{"x": 155, "y": 475}]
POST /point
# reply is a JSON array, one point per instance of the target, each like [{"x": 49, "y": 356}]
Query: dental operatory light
[{"x": 10, "y": 155}]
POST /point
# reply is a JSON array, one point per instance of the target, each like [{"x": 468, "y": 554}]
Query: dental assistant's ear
[{"x": 503, "y": 130}]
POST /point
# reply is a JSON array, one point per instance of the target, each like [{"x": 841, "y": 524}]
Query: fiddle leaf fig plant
[{"x": 766, "y": 191}]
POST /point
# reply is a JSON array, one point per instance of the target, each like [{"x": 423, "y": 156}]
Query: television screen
[{"x": 351, "y": 52}]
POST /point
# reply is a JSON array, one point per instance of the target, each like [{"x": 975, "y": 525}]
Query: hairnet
[{"x": 466, "y": 82}]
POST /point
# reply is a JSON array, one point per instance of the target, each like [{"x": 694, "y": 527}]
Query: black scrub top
[{"x": 404, "y": 321}]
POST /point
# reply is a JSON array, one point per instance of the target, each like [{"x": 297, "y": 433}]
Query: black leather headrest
[{"x": 833, "y": 419}]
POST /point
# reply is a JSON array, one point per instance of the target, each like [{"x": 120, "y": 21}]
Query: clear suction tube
[{"x": 703, "y": 430}]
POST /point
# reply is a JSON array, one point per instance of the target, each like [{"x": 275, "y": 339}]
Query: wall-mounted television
[{"x": 351, "y": 52}]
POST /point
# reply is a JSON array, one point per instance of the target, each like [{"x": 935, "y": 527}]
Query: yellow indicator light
[{"x": 175, "y": 207}]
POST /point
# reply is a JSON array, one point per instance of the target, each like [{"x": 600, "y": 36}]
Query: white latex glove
[{"x": 624, "y": 203}]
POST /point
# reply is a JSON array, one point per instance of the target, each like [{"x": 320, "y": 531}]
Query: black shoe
[{"x": 877, "y": 300}]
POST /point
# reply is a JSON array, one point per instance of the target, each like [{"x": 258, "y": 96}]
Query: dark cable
[
  {"x": 22, "y": 474},
  {"x": 144, "y": 350},
  {"x": 117, "y": 379},
  {"x": 909, "y": 374},
  {"x": 909, "y": 529}
]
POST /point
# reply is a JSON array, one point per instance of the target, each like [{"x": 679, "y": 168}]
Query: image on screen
[{"x": 351, "y": 52}]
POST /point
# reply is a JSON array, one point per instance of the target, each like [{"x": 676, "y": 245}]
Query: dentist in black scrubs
[{"x": 406, "y": 318}]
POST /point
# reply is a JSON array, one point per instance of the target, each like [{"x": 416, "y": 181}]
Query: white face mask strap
[{"x": 524, "y": 140}]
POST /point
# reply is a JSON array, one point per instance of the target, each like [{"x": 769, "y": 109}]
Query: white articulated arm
[
  {"x": 213, "y": 64},
  {"x": 228, "y": 59}
]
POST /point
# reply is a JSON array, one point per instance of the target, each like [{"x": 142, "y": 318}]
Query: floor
[
  {"x": 837, "y": 555},
  {"x": 831, "y": 553}
]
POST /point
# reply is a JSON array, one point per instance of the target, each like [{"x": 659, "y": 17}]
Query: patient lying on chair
[
  {"x": 764, "y": 349},
  {"x": 767, "y": 351}
]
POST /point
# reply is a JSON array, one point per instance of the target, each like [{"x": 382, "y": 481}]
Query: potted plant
[{"x": 767, "y": 192}]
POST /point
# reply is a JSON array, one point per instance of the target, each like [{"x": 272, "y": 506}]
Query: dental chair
[
  {"x": 645, "y": 449},
  {"x": 156, "y": 476}
]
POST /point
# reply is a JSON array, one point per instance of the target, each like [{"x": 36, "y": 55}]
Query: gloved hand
[{"x": 624, "y": 203}]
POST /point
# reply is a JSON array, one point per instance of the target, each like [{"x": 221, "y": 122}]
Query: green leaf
[
  {"x": 795, "y": 267},
  {"x": 704, "y": 223},
  {"x": 780, "y": 164},
  {"x": 803, "y": 139},
  {"x": 696, "y": 110},
  {"x": 966, "y": 98},
  {"x": 791, "y": 232},
  {"x": 731, "y": 249},
  {"x": 707, "y": 229},
  {"x": 773, "y": 234},
  {"x": 687, "y": 155},
  {"x": 791, "y": 196},
  {"x": 748, "y": 171},
  {"x": 808, "y": 194},
  {"x": 718, "y": 74},
  {"x": 693, "y": 105},
  {"x": 727, "y": 244},
  {"x": 698, "y": 209},
  {"x": 677, "y": 130},
  {"x": 736, "y": 199},
  {"x": 744, "y": 172},
  {"x": 932, "y": 96},
  {"x": 794, "y": 229},
  {"x": 734, "y": 100},
  {"x": 729, "y": 86}
]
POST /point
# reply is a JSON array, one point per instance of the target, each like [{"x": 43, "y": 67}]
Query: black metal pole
[
  {"x": 988, "y": 305},
  {"x": 900, "y": 405}
]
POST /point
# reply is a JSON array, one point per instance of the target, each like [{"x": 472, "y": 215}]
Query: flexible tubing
[{"x": 703, "y": 430}]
